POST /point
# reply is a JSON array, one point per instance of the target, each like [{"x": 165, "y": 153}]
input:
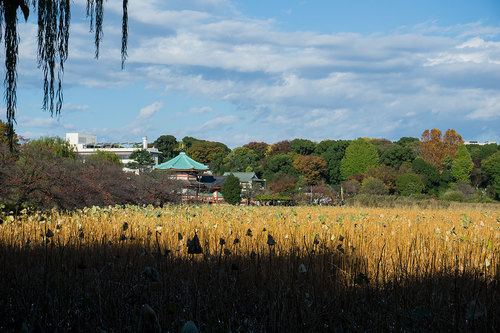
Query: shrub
[
  {"x": 374, "y": 186},
  {"x": 409, "y": 184},
  {"x": 453, "y": 195}
]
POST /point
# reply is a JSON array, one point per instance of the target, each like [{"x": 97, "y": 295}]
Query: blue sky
[{"x": 241, "y": 71}]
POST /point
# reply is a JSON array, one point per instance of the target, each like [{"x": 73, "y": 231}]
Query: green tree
[
  {"x": 142, "y": 160},
  {"x": 409, "y": 184},
  {"x": 204, "y": 151},
  {"x": 240, "y": 159},
  {"x": 188, "y": 141},
  {"x": 53, "y": 40},
  {"x": 359, "y": 155},
  {"x": 231, "y": 190},
  {"x": 462, "y": 165},
  {"x": 491, "y": 169},
  {"x": 429, "y": 172},
  {"x": 397, "y": 155},
  {"x": 407, "y": 140},
  {"x": 166, "y": 144},
  {"x": 333, "y": 152},
  {"x": 375, "y": 186},
  {"x": 303, "y": 146},
  {"x": 281, "y": 163},
  {"x": 105, "y": 156},
  {"x": 56, "y": 145}
]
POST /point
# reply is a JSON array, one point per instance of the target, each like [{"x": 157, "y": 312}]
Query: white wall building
[
  {"x": 474, "y": 142},
  {"x": 86, "y": 144}
]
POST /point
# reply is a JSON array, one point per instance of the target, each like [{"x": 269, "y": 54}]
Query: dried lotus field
[{"x": 251, "y": 269}]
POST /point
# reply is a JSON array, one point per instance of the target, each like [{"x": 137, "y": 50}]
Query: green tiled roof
[
  {"x": 244, "y": 176},
  {"x": 182, "y": 162}
]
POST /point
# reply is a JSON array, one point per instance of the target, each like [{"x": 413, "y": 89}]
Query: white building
[
  {"x": 86, "y": 144},
  {"x": 474, "y": 142}
]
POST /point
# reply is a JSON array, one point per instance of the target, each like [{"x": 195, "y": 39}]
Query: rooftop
[{"x": 182, "y": 162}]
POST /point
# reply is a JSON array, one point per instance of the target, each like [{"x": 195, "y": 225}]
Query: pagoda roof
[{"x": 182, "y": 162}]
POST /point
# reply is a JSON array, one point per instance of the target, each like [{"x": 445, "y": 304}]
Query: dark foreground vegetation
[
  {"x": 104, "y": 288},
  {"x": 47, "y": 174}
]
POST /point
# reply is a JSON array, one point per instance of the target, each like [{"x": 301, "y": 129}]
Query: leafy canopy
[{"x": 359, "y": 155}]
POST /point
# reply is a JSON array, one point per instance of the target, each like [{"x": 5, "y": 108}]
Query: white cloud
[
  {"x": 148, "y": 111},
  {"x": 201, "y": 110}
]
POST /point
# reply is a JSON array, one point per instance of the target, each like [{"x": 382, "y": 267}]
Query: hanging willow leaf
[
  {"x": 53, "y": 36},
  {"x": 124, "y": 32},
  {"x": 11, "y": 40}
]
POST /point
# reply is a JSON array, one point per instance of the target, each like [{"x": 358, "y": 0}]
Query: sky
[{"x": 241, "y": 71}]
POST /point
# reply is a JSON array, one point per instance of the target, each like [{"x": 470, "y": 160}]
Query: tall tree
[
  {"x": 312, "y": 167},
  {"x": 166, "y": 144},
  {"x": 241, "y": 159},
  {"x": 333, "y": 154},
  {"x": 303, "y": 146},
  {"x": 260, "y": 148},
  {"x": 204, "y": 151},
  {"x": 231, "y": 190},
  {"x": 53, "y": 40},
  {"x": 434, "y": 146},
  {"x": 282, "y": 147},
  {"x": 429, "y": 173},
  {"x": 462, "y": 165},
  {"x": 142, "y": 160},
  {"x": 359, "y": 155}
]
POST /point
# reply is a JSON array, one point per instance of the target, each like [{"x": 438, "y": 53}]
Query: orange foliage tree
[
  {"x": 434, "y": 146},
  {"x": 314, "y": 168}
]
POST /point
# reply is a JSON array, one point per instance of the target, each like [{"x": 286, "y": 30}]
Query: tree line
[
  {"x": 435, "y": 165},
  {"x": 46, "y": 172}
]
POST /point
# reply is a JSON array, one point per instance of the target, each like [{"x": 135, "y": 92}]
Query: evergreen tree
[
  {"x": 462, "y": 165},
  {"x": 359, "y": 155},
  {"x": 231, "y": 190}
]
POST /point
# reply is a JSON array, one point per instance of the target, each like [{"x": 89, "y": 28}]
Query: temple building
[{"x": 199, "y": 183}]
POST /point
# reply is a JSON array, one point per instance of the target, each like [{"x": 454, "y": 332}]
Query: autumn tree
[
  {"x": 283, "y": 184},
  {"x": 434, "y": 146},
  {"x": 359, "y": 155},
  {"x": 282, "y": 147},
  {"x": 312, "y": 167},
  {"x": 383, "y": 172},
  {"x": 260, "y": 148}
]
